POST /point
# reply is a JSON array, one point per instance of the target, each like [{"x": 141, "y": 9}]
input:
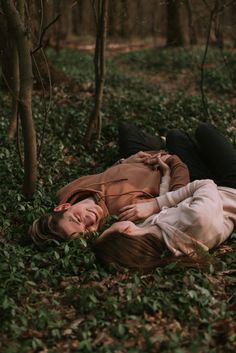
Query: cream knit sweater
[{"x": 199, "y": 214}]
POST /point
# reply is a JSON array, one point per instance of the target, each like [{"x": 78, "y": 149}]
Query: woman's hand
[
  {"x": 158, "y": 161},
  {"x": 157, "y": 158},
  {"x": 163, "y": 166},
  {"x": 140, "y": 157},
  {"x": 139, "y": 211}
]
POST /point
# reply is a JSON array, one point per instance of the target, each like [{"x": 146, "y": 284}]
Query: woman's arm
[
  {"x": 200, "y": 189},
  {"x": 197, "y": 188},
  {"x": 165, "y": 179}
]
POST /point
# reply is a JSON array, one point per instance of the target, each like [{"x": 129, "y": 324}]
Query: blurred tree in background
[{"x": 28, "y": 27}]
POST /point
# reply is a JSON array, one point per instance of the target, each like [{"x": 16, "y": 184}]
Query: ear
[{"x": 63, "y": 206}]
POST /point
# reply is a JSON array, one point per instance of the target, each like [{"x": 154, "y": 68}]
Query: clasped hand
[
  {"x": 154, "y": 160},
  {"x": 143, "y": 210}
]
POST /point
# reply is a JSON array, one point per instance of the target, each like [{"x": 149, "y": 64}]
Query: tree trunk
[
  {"x": 15, "y": 81},
  {"x": 25, "y": 95},
  {"x": 153, "y": 15},
  {"x": 113, "y": 27},
  {"x": 192, "y": 30},
  {"x": 175, "y": 35},
  {"x": 99, "y": 61},
  {"x": 219, "y": 23},
  {"x": 15, "y": 87},
  {"x": 233, "y": 23},
  {"x": 124, "y": 19}
]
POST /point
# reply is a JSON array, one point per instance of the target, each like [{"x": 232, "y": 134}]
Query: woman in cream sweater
[{"x": 195, "y": 218}]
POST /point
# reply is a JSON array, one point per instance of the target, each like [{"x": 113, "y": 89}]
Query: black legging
[{"x": 210, "y": 156}]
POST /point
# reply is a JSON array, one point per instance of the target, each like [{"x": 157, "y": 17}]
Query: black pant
[
  {"x": 209, "y": 156},
  {"x": 133, "y": 140}
]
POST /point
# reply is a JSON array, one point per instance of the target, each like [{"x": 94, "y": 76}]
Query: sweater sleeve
[
  {"x": 165, "y": 184},
  {"x": 178, "y": 172},
  {"x": 197, "y": 188},
  {"x": 199, "y": 220}
]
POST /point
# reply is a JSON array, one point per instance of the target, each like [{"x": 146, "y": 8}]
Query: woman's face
[{"x": 126, "y": 227}]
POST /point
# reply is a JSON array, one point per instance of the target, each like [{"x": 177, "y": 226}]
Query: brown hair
[
  {"x": 141, "y": 252},
  {"x": 144, "y": 253},
  {"x": 46, "y": 228}
]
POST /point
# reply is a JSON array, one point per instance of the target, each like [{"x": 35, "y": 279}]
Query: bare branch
[
  {"x": 41, "y": 19},
  {"x": 8, "y": 86},
  {"x": 43, "y": 33},
  {"x": 74, "y": 4},
  {"x": 18, "y": 138},
  {"x": 46, "y": 109},
  {"x": 207, "y": 5}
]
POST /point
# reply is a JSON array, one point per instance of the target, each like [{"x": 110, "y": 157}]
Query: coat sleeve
[{"x": 179, "y": 172}]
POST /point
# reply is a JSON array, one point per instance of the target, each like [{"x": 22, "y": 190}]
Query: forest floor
[{"x": 60, "y": 299}]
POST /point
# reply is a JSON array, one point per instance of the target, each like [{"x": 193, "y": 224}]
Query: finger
[
  {"x": 152, "y": 161},
  {"x": 125, "y": 208},
  {"x": 140, "y": 159},
  {"x": 143, "y": 154},
  {"x": 129, "y": 218},
  {"x": 125, "y": 216},
  {"x": 125, "y": 212}
]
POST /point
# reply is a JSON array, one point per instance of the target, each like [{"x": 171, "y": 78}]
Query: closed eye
[{"x": 77, "y": 220}]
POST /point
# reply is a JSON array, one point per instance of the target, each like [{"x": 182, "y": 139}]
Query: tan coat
[{"x": 123, "y": 184}]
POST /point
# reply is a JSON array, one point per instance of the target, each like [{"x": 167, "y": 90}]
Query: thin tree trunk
[
  {"x": 192, "y": 30},
  {"x": 15, "y": 81},
  {"x": 95, "y": 122},
  {"x": 25, "y": 95},
  {"x": 219, "y": 23},
  {"x": 15, "y": 87},
  {"x": 175, "y": 35}
]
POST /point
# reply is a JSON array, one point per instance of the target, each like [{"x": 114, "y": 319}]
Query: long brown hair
[{"x": 143, "y": 252}]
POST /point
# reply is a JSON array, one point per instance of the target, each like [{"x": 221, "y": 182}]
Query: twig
[
  {"x": 207, "y": 5},
  {"x": 227, "y": 66},
  {"x": 47, "y": 110},
  {"x": 74, "y": 4},
  {"x": 43, "y": 33},
  {"x": 18, "y": 137},
  {"x": 8, "y": 86},
  {"x": 41, "y": 19}
]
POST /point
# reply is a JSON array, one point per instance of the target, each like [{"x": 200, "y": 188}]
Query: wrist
[{"x": 157, "y": 206}]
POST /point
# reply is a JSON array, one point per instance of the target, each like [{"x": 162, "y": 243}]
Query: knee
[
  {"x": 204, "y": 129},
  {"x": 175, "y": 138},
  {"x": 175, "y": 135}
]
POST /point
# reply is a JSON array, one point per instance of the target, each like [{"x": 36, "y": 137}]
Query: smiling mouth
[{"x": 93, "y": 216}]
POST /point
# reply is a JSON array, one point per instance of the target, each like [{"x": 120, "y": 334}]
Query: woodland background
[{"x": 70, "y": 72}]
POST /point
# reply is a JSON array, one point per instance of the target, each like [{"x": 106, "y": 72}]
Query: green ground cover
[{"x": 60, "y": 299}]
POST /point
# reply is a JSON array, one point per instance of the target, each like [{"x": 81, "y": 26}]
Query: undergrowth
[{"x": 60, "y": 299}]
